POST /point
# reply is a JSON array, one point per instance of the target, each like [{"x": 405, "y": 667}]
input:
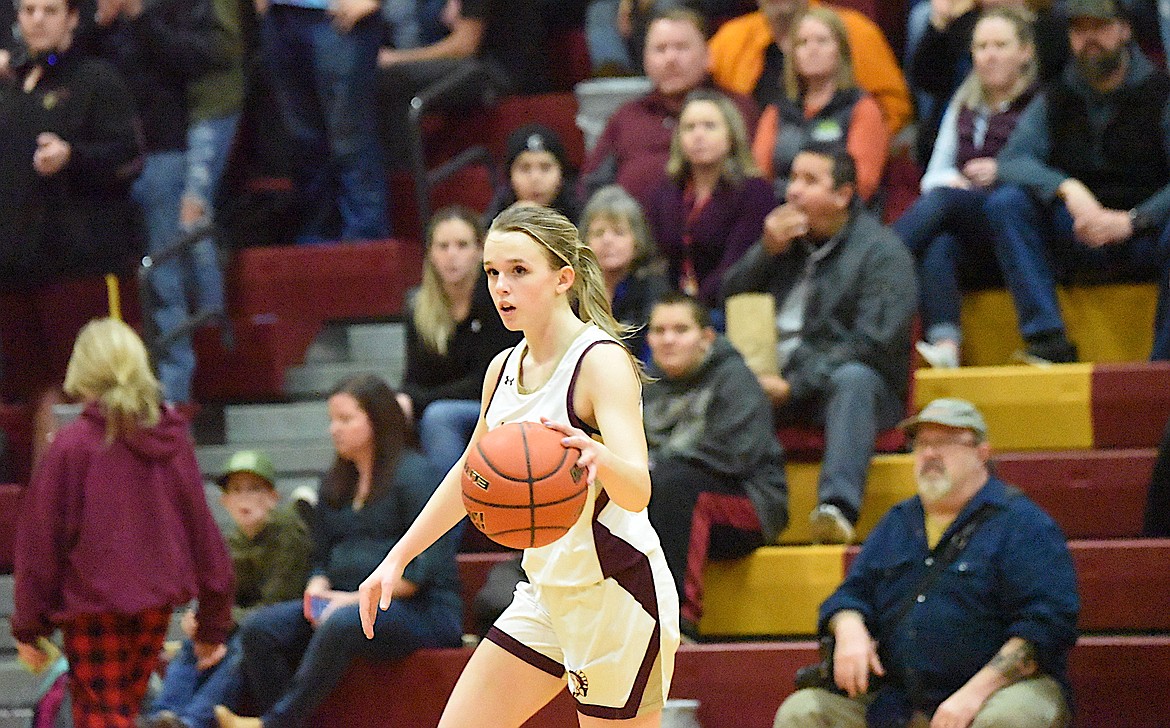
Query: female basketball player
[{"x": 600, "y": 610}]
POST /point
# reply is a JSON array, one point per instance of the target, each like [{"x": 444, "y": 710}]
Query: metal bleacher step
[
  {"x": 276, "y": 422},
  {"x": 299, "y": 456},
  {"x": 18, "y": 686},
  {"x": 317, "y": 380},
  {"x": 15, "y": 717},
  {"x": 376, "y": 342}
]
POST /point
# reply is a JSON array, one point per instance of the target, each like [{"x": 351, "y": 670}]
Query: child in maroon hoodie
[{"x": 115, "y": 533}]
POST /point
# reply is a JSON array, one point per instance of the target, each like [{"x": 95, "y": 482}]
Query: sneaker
[
  {"x": 829, "y": 525},
  {"x": 1050, "y": 347},
  {"x": 943, "y": 355}
]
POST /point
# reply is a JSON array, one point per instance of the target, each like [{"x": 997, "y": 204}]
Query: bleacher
[{"x": 1078, "y": 439}]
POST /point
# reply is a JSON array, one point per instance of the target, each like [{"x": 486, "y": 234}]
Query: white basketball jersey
[{"x": 571, "y": 560}]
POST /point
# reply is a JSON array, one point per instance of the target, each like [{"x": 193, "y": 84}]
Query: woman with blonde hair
[
  {"x": 615, "y": 228},
  {"x": 946, "y": 228},
  {"x": 115, "y": 533},
  {"x": 821, "y": 103},
  {"x": 711, "y": 207},
  {"x": 452, "y": 333},
  {"x": 600, "y": 605}
]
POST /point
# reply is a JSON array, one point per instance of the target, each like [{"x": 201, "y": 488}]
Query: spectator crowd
[{"x": 742, "y": 220}]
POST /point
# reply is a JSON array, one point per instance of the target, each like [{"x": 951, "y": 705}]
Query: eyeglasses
[{"x": 942, "y": 443}]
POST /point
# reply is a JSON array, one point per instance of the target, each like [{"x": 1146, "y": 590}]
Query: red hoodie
[{"x": 119, "y": 528}]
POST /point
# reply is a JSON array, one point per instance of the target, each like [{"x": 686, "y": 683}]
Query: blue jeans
[
  {"x": 946, "y": 228},
  {"x": 291, "y": 667},
  {"x": 445, "y": 429},
  {"x": 192, "y": 695},
  {"x": 857, "y": 404},
  {"x": 208, "y": 144},
  {"x": 159, "y": 191},
  {"x": 1034, "y": 243},
  {"x": 323, "y": 82},
  {"x": 606, "y": 44}
]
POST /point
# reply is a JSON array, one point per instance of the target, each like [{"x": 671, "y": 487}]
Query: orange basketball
[{"x": 522, "y": 487}]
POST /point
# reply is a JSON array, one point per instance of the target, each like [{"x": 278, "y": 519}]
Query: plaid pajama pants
[{"x": 111, "y": 657}]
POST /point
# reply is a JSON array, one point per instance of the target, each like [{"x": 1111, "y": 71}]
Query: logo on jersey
[
  {"x": 475, "y": 477},
  {"x": 578, "y": 684},
  {"x": 509, "y": 380}
]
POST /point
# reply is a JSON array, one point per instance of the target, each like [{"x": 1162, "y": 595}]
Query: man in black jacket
[
  {"x": 1086, "y": 175},
  {"x": 845, "y": 295}
]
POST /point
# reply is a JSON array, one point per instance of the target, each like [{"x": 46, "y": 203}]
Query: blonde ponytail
[{"x": 110, "y": 365}]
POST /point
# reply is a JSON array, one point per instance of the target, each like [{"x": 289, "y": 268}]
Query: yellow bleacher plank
[
  {"x": 775, "y": 591},
  {"x": 1108, "y": 323},
  {"x": 891, "y": 479},
  {"x": 1027, "y": 408}
]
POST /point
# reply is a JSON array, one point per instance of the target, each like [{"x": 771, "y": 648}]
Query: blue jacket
[{"x": 1015, "y": 578}]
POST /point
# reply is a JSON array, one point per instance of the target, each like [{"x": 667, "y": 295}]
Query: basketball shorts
[{"x": 615, "y": 651}]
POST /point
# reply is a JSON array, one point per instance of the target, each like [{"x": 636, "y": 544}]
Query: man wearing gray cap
[
  {"x": 1086, "y": 180},
  {"x": 960, "y": 609}
]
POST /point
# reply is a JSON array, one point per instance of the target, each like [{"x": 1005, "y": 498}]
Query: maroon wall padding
[
  {"x": 10, "y": 494},
  {"x": 807, "y": 444},
  {"x": 569, "y": 58},
  {"x": 16, "y": 422},
  {"x": 253, "y": 368},
  {"x": 1090, "y": 493},
  {"x": 1121, "y": 681},
  {"x": 1118, "y": 682},
  {"x": 1124, "y": 584},
  {"x": 738, "y": 686},
  {"x": 1130, "y": 403},
  {"x": 473, "y": 572}
]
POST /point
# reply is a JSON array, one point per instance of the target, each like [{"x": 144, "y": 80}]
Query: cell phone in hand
[{"x": 317, "y": 606}]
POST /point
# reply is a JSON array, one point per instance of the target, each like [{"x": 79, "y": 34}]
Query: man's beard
[
  {"x": 1101, "y": 66},
  {"x": 934, "y": 486}
]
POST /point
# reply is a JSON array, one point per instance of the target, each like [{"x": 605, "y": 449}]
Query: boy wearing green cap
[{"x": 270, "y": 548}]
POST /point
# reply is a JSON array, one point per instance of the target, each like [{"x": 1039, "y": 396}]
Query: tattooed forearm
[{"x": 1016, "y": 661}]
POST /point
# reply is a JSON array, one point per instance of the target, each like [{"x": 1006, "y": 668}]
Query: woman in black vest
[
  {"x": 946, "y": 228},
  {"x": 821, "y": 103}
]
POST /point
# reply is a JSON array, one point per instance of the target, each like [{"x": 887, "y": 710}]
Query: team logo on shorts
[{"x": 578, "y": 684}]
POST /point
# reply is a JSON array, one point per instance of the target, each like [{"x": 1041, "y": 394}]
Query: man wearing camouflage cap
[{"x": 962, "y": 606}]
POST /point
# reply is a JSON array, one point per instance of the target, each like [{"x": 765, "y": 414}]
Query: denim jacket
[{"x": 1015, "y": 578}]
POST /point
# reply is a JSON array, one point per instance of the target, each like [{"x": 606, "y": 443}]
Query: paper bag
[{"x": 751, "y": 328}]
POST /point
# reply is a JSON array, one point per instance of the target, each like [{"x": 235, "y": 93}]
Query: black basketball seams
[
  {"x": 527, "y": 461},
  {"x": 542, "y": 504}
]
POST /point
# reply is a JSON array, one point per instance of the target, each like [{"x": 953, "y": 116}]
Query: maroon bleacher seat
[
  {"x": 1090, "y": 493},
  {"x": 281, "y": 296},
  {"x": 568, "y": 58},
  {"x": 1124, "y": 584},
  {"x": 1120, "y": 681},
  {"x": 1130, "y": 404}
]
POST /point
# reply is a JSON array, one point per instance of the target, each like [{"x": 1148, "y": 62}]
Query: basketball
[{"x": 522, "y": 487}]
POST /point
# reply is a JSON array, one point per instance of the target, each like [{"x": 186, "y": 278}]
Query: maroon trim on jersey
[
  {"x": 514, "y": 646},
  {"x": 630, "y": 568},
  {"x": 574, "y": 420},
  {"x": 500, "y": 378}
]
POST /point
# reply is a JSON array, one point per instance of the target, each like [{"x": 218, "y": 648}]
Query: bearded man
[
  {"x": 1086, "y": 175},
  {"x": 960, "y": 609}
]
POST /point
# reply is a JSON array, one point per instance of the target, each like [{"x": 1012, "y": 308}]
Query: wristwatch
[{"x": 1139, "y": 221}]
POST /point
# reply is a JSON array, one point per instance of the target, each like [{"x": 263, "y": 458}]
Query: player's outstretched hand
[
  {"x": 577, "y": 439},
  {"x": 376, "y": 591}
]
